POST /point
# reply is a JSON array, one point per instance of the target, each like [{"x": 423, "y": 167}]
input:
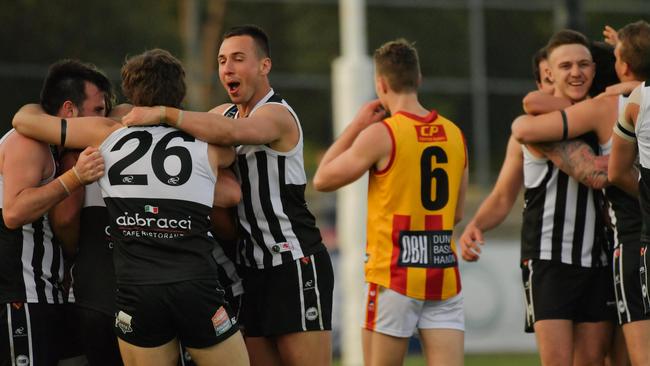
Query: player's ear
[
  {"x": 68, "y": 109},
  {"x": 265, "y": 66}
]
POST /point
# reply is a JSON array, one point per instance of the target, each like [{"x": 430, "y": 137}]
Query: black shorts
[
  {"x": 36, "y": 337},
  {"x": 194, "y": 312},
  {"x": 71, "y": 332},
  {"x": 556, "y": 290},
  {"x": 630, "y": 279},
  {"x": 289, "y": 298},
  {"x": 99, "y": 343}
]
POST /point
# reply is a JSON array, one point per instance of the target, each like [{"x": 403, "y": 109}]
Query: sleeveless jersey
[
  {"x": 93, "y": 275},
  {"x": 31, "y": 261},
  {"x": 411, "y": 208},
  {"x": 159, "y": 190},
  {"x": 624, "y": 212},
  {"x": 562, "y": 219},
  {"x": 277, "y": 226},
  {"x": 642, "y": 129}
]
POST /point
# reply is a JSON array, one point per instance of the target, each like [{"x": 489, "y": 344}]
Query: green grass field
[{"x": 499, "y": 359}]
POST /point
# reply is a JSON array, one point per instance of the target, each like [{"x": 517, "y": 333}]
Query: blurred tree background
[{"x": 304, "y": 42}]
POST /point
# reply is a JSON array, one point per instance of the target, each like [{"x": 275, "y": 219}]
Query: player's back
[
  {"x": 158, "y": 190},
  {"x": 412, "y": 206}
]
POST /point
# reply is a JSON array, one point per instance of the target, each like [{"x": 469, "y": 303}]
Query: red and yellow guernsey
[{"x": 411, "y": 208}]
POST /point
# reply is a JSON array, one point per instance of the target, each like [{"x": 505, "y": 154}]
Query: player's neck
[
  {"x": 246, "y": 108},
  {"x": 406, "y": 103}
]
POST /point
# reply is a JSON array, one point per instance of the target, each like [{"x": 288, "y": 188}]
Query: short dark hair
[
  {"x": 564, "y": 37},
  {"x": 259, "y": 36},
  {"x": 538, "y": 57},
  {"x": 152, "y": 78},
  {"x": 398, "y": 62},
  {"x": 66, "y": 79},
  {"x": 603, "y": 55},
  {"x": 635, "y": 48}
]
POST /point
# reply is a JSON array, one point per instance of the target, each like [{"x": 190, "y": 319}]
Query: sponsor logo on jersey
[
  {"x": 311, "y": 314},
  {"x": 430, "y": 133},
  {"x": 20, "y": 332},
  {"x": 221, "y": 321},
  {"x": 127, "y": 220},
  {"x": 309, "y": 285},
  {"x": 281, "y": 247},
  {"x": 123, "y": 321},
  {"x": 151, "y": 209},
  {"x": 22, "y": 360},
  {"x": 17, "y": 305},
  {"x": 426, "y": 249}
]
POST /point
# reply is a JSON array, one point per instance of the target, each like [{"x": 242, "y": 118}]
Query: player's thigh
[
  {"x": 442, "y": 329},
  {"x": 637, "y": 339},
  {"x": 262, "y": 351},
  {"x": 385, "y": 350},
  {"x": 443, "y": 346},
  {"x": 591, "y": 342},
  {"x": 163, "y": 355},
  {"x": 229, "y": 352},
  {"x": 555, "y": 341},
  {"x": 300, "y": 348}
]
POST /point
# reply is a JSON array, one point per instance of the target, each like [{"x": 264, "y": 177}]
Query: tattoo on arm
[{"x": 577, "y": 159}]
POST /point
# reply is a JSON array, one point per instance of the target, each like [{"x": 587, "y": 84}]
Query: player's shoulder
[{"x": 221, "y": 109}]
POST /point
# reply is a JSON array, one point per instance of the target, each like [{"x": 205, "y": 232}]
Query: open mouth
[{"x": 233, "y": 86}]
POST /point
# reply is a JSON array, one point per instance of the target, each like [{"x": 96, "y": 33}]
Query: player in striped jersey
[
  {"x": 563, "y": 234},
  {"x": 31, "y": 262},
  {"x": 412, "y": 278},
  {"x": 632, "y": 59},
  {"x": 287, "y": 272},
  {"x": 159, "y": 191}
]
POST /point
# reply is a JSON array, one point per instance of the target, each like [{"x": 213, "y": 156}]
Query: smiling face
[
  {"x": 571, "y": 70},
  {"x": 242, "y": 70}
]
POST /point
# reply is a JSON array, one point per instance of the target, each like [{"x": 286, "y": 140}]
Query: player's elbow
[
  {"x": 322, "y": 184},
  {"x": 18, "y": 122},
  {"x": 615, "y": 175},
  {"x": 519, "y": 131},
  {"x": 12, "y": 219}
]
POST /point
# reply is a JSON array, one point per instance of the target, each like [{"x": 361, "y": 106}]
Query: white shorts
[{"x": 394, "y": 314}]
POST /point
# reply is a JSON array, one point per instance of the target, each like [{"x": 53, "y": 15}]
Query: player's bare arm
[
  {"x": 497, "y": 205},
  {"x": 80, "y": 132},
  {"x": 623, "y": 88},
  {"x": 272, "y": 124},
  {"x": 462, "y": 192},
  {"x": 589, "y": 115},
  {"x": 24, "y": 200},
  {"x": 622, "y": 171},
  {"x": 539, "y": 102},
  {"x": 361, "y": 145},
  {"x": 66, "y": 215},
  {"x": 577, "y": 159}
]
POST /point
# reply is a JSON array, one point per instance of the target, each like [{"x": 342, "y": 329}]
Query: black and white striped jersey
[
  {"x": 624, "y": 210},
  {"x": 224, "y": 255},
  {"x": 159, "y": 190},
  {"x": 31, "y": 261},
  {"x": 642, "y": 130},
  {"x": 93, "y": 275},
  {"x": 562, "y": 219},
  {"x": 277, "y": 226}
]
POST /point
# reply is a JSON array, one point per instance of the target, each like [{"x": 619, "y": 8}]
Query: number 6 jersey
[
  {"x": 159, "y": 189},
  {"x": 411, "y": 208}
]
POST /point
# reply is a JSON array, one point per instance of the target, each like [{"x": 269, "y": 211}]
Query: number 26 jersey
[
  {"x": 411, "y": 208},
  {"x": 159, "y": 190}
]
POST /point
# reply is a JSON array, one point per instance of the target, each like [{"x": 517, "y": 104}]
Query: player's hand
[
  {"x": 143, "y": 116},
  {"x": 610, "y": 35},
  {"x": 369, "y": 113},
  {"x": 623, "y": 88},
  {"x": 471, "y": 242},
  {"x": 90, "y": 165}
]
